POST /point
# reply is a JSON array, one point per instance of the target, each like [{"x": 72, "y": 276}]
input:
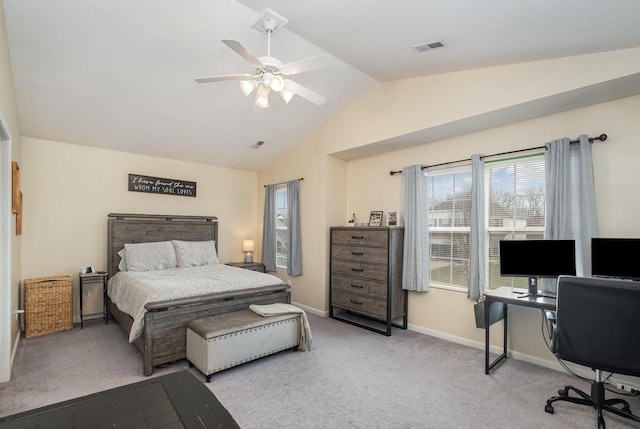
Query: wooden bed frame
[{"x": 165, "y": 323}]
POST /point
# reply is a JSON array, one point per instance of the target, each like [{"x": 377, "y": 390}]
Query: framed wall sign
[
  {"x": 159, "y": 185},
  {"x": 375, "y": 219}
]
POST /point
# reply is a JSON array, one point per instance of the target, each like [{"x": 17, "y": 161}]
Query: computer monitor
[
  {"x": 537, "y": 258},
  {"x": 615, "y": 257}
]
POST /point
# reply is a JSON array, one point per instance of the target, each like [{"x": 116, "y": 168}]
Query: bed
[{"x": 163, "y": 336}]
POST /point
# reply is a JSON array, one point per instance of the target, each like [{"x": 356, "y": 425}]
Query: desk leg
[
  {"x": 488, "y": 366},
  {"x": 505, "y": 326},
  {"x": 487, "y": 343}
]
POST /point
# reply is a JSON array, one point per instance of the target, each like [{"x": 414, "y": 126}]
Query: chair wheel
[
  {"x": 548, "y": 408},
  {"x": 563, "y": 392}
]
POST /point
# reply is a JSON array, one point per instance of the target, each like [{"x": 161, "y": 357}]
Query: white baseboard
[{"x": 311, "y": 310}]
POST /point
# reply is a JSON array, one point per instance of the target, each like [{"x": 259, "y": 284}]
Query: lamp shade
[{"x": 247, "y": 246}]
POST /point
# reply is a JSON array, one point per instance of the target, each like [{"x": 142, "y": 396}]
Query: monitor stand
[{"x": 533, "y": 290}]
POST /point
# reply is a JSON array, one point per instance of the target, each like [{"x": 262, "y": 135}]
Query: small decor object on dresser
[
  {"x": 375, "y": 219},
  {"x": 392, "y": 219}
]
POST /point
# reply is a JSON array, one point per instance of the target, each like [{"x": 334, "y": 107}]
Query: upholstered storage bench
[{"x": 225, "y": 340}]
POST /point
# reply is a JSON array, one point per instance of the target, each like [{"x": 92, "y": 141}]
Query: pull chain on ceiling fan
[{"x": 269, "y": 74}]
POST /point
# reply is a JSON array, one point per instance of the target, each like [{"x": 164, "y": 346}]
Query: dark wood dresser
[{"x": 366, "y": 277}]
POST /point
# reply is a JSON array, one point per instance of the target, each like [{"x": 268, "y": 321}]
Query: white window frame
[{"x": 531, "y": 158}]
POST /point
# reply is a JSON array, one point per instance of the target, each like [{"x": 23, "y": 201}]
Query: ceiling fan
[{"x": 270, "y": 74}]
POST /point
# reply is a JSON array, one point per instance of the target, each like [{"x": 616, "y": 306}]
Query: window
[
  {"x": 449, "y": 226},
  {"x": 516, "y": 209},
  {"x": 515, "y": 192},
  {"x": 282, "y": 232}
]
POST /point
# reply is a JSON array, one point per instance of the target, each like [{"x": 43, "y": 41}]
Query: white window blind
[
  {"x": 516, "y": 209},
  {"x": 449, "y": 226}
]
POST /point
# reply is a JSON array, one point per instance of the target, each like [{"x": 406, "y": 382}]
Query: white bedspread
[{"x": 130, "y": 291}]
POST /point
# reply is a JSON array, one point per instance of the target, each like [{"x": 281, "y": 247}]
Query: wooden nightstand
[{"x": 253, "y": 266}]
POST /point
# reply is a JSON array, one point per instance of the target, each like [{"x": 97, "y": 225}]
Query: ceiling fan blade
[
  {"x": 222, "y": 77},
  {"x": 244, "y": 53},
  {"x": 308, "y": 64},
  {"x": 304, "y": 92}
]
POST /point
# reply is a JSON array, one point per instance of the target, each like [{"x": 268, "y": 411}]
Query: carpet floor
[{"x": 352, "y": 378}]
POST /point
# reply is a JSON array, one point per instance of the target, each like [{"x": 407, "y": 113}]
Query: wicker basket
[{"x": 48, "y": 305}]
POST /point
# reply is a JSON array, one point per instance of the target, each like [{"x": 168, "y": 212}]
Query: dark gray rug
[{"x": 177, "y": 400}]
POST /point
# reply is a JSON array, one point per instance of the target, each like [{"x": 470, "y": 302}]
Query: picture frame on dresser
[
  {"x": 375, "y": 218},
  {"x": 392, "y": 219}
]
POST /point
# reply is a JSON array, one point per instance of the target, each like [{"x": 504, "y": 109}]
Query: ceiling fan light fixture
[
  {"x": 262, "y": 97},
  {"x": 277, "y": 83},
  {"x": 247, "y": 86}
]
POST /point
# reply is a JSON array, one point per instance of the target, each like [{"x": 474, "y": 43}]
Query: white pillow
[
  {"x": 195, "y": 253},
  {"x": 158, "y": 255},
  {"x": 122, "y": 265}
]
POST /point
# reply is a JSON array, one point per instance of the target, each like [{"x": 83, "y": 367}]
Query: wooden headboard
[{"x": 144, "y": 228}]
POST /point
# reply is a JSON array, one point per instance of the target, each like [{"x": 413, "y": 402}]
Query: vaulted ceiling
[{"x": 119, "y": 74}]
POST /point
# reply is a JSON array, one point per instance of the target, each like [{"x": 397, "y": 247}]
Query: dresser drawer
[
  {"x": 360, "y": 237},
  {"x": 359, "y": 286},
  {"x": 358, "y": 269},
  {"x": 377, "y": 255},
  {"x": 369, "y": 306}
]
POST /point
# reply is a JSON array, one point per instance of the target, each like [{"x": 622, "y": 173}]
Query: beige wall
[
  {"x": 448, "y": 312},
  {"x": 70, "y": 189},
  {"x": 319, "y": 171},
  {"x": 395, "y": 108},
  {"x": 9, "y": 289}
]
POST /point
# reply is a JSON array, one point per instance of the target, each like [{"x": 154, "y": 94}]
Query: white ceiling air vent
[{"x": 427, "y": 46}]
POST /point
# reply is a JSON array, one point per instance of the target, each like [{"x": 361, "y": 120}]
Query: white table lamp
[{"x": 248, "y": 246}]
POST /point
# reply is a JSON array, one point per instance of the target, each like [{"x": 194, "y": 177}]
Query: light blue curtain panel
[
  {"x": 478, "y": 238},
  {"x": 294, "y": 256},
  {"x": 416, "y": 257},
  {"x": 269, "y": 229},
  {"x": 571, "y": 208}
]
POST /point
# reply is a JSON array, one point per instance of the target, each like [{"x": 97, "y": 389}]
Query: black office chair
[{"x": 596, "y": 325}]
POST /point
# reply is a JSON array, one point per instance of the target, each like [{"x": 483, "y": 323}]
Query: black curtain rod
[
  {"x": 601, "y": 137},
  {"x": 280, "y": 183}
]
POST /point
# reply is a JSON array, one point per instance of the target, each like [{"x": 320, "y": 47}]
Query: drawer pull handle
[
  {"x": 355, "y": 302},
  {"x": 357, "y": 286},
  {"x": 359, "y": 270},
  {"x": 357, "y": 253},
  {"x": 357, "y": 237}
]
